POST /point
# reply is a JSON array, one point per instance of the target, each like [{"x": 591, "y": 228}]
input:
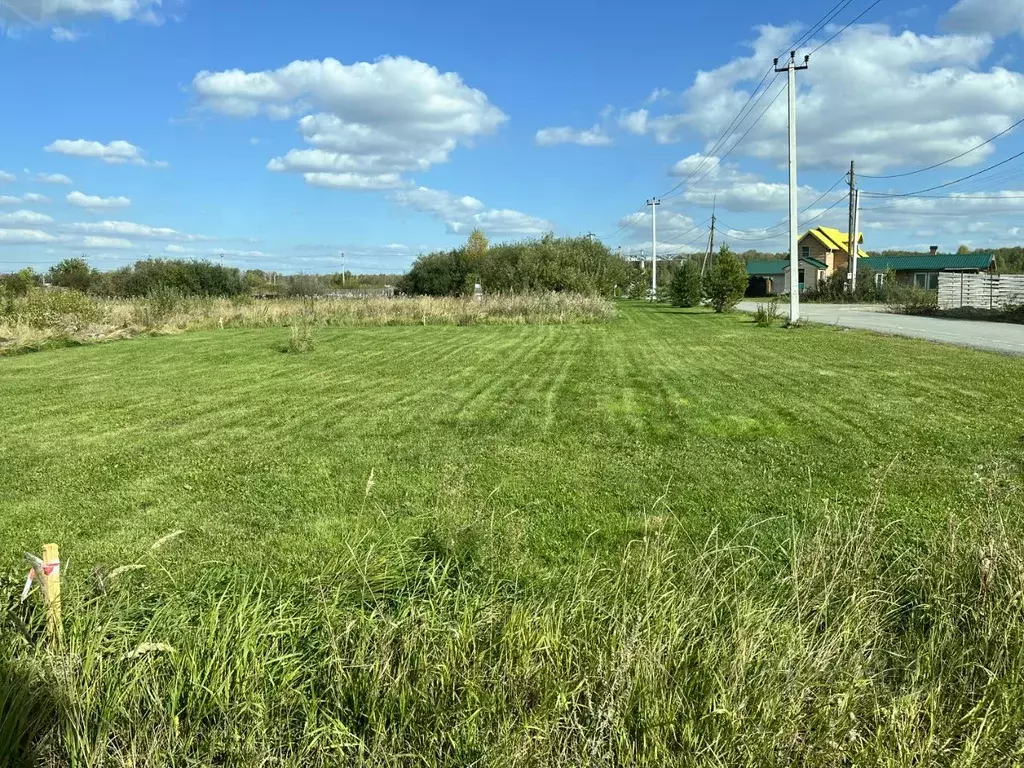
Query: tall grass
[
  {"x": 64, "y": 317},
  {"x": 844, "y": 644}
]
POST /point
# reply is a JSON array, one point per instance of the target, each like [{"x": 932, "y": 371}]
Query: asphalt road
[{"x": 997, "y": 337}]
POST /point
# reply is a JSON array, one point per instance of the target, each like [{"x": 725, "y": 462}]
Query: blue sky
[{"x": 280, "y": 135}]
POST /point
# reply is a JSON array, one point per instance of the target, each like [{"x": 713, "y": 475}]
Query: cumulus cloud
[
  {"x": 373, "y": 120},
  {"x": 34, "y": 197},
  {"x": 709, "y": 182},
  {"x": 64, "y": 35},
  {"x": 53, "y": 178},
  {"x": 30, "y": 218},
  {"x": 592, "y": 137},
  {"x": 354, "y": 180},
  {"x": 95, "y": 241},
  {"x": 462, "y": 214},
  {"x": 116, "y": 152},
  {"x": 131, "y": 229},
  {"x": 94, "y": 202},
  {"x": 6, "y": 176},
  {"x": 35, "y": 11},
  {"x": 994, "y": 17},
  {"x": 25, "y": 237},
  {"x": 929, "y": 100}
]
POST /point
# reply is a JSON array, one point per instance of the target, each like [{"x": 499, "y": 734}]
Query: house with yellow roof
[{"x": 822, "y": 251}]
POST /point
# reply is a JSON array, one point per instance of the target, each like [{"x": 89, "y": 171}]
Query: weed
[
  {"x": 768, "y": 314},
  {"x": 301, "y": 339}
]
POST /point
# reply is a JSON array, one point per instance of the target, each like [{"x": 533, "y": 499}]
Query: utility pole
[
  {"x": 654, "y": 203},
  {"x": 856, "y": 228},
  {"x": 791, "y": 69},
  {"x": 852, "y": 245},
  {"x": 711, "y": 242},
  {"x": 342, "y": 269}
]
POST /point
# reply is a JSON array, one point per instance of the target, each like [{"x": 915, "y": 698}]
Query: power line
[
  {"x": 740, "y": 116},
  {"x": 948, "y": 183},
  {"x": 823, "y": 22},
  {"x": 849, "y": 24},
  {"x": 946, "y": 162},
  {"x": 740, "y": 141}
]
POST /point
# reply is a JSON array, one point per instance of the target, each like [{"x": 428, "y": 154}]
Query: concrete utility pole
[
  {"x": 852, "y": 245},
  {"x": 791, "y": 69},
  {"x": 711, "y": 242},
  {"x": 654, "y": 203},
  {"x": 856, "y": 228}
]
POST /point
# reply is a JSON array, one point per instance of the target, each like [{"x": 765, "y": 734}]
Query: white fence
[{"x": 983, "y": 291}]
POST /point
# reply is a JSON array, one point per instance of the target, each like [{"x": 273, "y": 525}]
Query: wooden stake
[{"x": 51, "y": 592}]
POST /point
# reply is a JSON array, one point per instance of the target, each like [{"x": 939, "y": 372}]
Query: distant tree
[
  {"x": 727, "y": 282},
  {"x": 686, "y": 289},
  {"x": 962, "y": 250},
  {"x": 73, "y": 273}
]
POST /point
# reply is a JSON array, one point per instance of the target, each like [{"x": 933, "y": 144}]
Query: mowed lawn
[{"x": 563, "y": 438}]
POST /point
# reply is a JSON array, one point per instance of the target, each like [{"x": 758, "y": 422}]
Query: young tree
[
  {"x": 686, "y": 289},
  {"x": 962, "y": 250},
  {"x": 727, "y": 281},
  {"x": 476, "y": 245}
]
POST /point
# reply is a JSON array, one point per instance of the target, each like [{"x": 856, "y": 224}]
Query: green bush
[
  {"x": 444, "y": 273},
  {"x": 726, "y": 284},
  {"x": 73, "y": 273},
  {"x": 566, "y": 264},
  {"x": 19, "y": 283},
  {"x": 686, "y": 288},
  {"x": 909, "y": 299},
  {"x": 51, "y": 308}
]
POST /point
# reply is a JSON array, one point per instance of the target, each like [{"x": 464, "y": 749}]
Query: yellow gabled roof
[{"x": 833, "y": 239}]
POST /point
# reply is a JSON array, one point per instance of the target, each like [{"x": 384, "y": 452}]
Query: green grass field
[
  {"x": 674, "y": 538},
  {"x": 566, "y": 434}
]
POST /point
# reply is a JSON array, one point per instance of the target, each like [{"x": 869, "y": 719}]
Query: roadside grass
[
  {"x": 47, "y": 319},
  {"x": 676, "y": 538}
]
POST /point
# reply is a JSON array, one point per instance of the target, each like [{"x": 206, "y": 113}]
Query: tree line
[{"x": 187, "y": 278}]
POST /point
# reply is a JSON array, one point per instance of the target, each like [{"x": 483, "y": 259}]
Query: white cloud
[
  {"x": 34, "y": 11},
  {"x": 994, "y": 17},
  {"x": 94, "y": 202},
  {"x": 176, "y": 249},
  {"x": 461, "y": 214},
  {"x": 254, "y": 141},
  {"x": 391, "y": 116},
  {"x": 634, "y": 122},
  {"x": 593, "y": 137},
  {"x": 94, "y": 241},
  {"x": 30, "y": 218},
  {"x": 929, "y": 100},
  {"x": 354, "y": 180},
  {"x": 25, "y": 237},
  {"x": 709, "y": 182},
  {"x": 28, "y": 197},
  {"x": 116, "y": 152},
  {"x": 53, "y": 178},
  {"x": 64, "y": 35},
  {"x": 5, "y": 176},
  {"x": 131, "y": 229}
]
